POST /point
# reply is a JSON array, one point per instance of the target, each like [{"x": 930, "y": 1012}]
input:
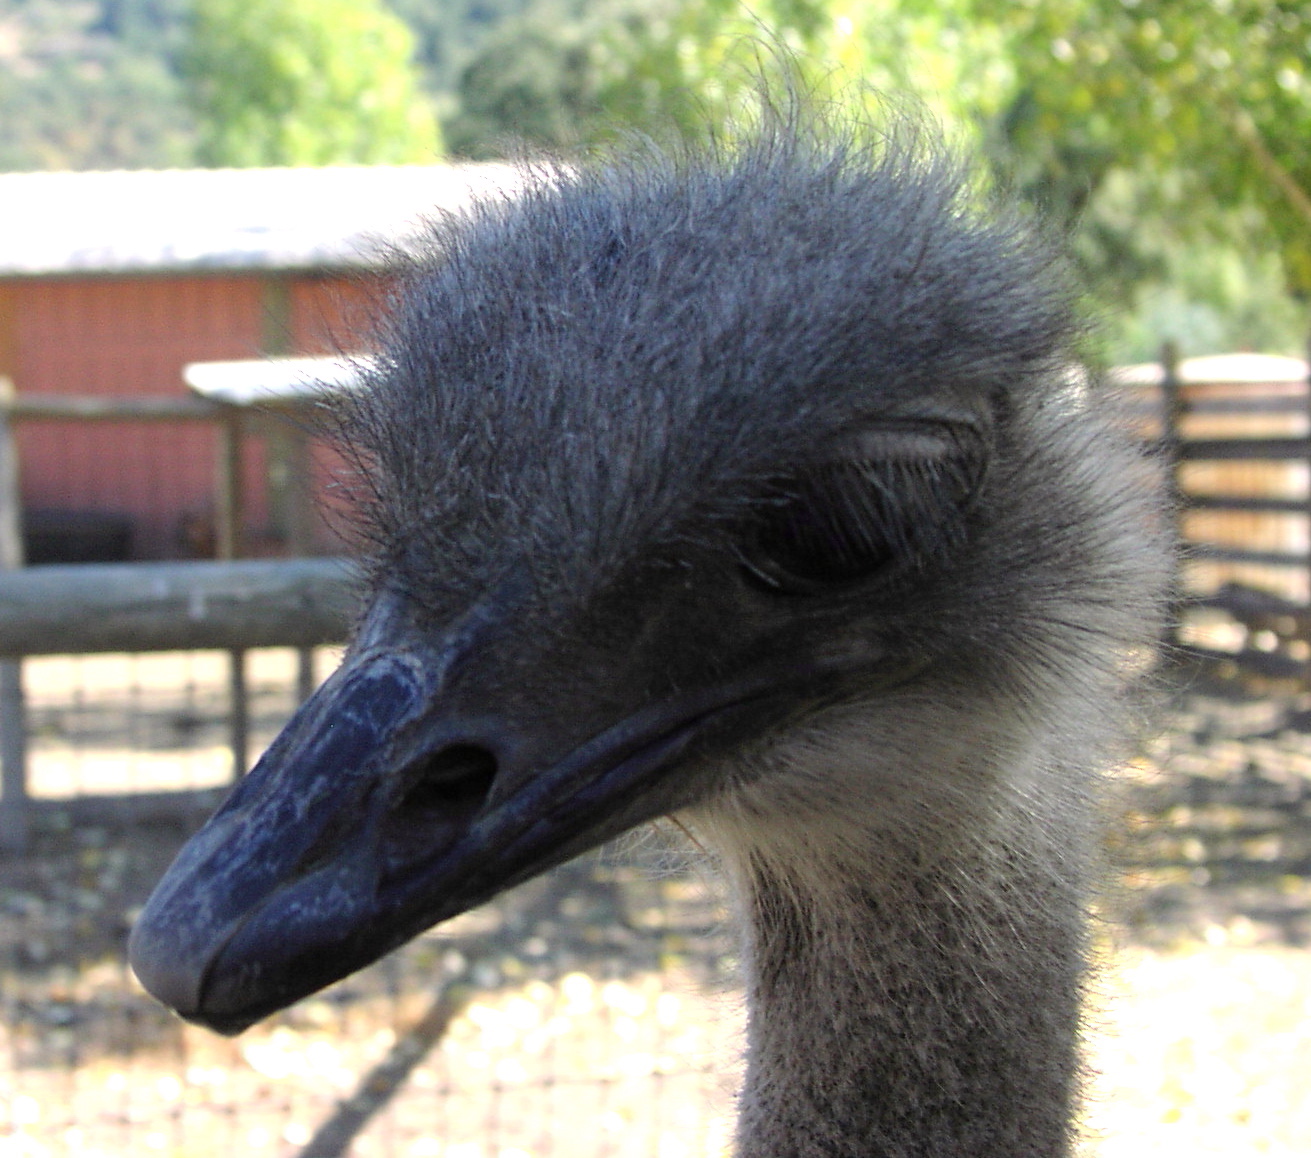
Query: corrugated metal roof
[{"x": 224, "y": 219}]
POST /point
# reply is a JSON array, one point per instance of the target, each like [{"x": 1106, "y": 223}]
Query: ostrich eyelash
[{"x": 843, "y": 522}]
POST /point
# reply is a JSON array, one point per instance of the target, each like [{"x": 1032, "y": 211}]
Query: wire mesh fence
[
  {"x": 591, "y": 1012},
  {"x": 124, "y": 722},
  {"x": 602, "y": 1045}
]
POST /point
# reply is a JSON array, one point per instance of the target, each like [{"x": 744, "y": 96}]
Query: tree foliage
[
  {"x": 1171, "y": 137},
  {"x": 1210, "y": 100},
  {"x": 686, "y": 66},
  {"x": 305, "y": 82},
  {"x": 81, "y": 88}
]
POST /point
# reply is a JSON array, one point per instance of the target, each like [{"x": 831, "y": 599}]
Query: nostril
[{"x": 456, "y": 778}]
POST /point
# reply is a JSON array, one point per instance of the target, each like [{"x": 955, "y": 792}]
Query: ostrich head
[{"x": 757, "y": 489}]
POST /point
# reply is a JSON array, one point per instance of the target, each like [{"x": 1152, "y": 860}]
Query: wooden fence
[
  {"x": 1236, "y": 430},
  {"x": 156, "y": 606},
  {"x": 85, "y": 609}
]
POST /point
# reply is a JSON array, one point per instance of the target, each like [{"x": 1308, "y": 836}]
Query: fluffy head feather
[{"x": 616, "y": 358}]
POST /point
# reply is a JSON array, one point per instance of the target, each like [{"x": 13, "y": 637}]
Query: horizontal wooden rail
[
  {"x": 143, "y": 408},
  {"x": 1218, "y": 553},
  {"x": 1245, "y": 503},
  {"x": 1244, "y": 449},
  {"x": 103, "y": 607},
  {"x": 107, "y": 408},
  {"x": 1245, "y": 404},
  {"x": 1272, "y": 665}
]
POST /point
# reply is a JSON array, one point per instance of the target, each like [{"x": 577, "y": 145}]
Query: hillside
[{"x": 94, "y": 84}]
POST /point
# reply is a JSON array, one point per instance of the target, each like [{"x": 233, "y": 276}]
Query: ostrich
[{"x": 750, "y": 486}]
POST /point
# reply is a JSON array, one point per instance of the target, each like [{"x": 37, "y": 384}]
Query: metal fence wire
[{"x": 590, "y": 1012}]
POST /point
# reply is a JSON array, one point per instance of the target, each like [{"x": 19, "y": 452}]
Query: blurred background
[{"x": 199, "y": 202}]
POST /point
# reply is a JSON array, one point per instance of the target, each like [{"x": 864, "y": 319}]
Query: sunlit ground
[{"x": 1203, "y": 1051}]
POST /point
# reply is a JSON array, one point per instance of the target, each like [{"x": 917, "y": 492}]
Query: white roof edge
[
  {"x": 283, "y": 380},
  {"x": 274, "y": 381},
  {"x": 211, "y": 220}
]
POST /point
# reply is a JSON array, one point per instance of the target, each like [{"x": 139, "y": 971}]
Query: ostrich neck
[{"x": 929, "y": 1012}]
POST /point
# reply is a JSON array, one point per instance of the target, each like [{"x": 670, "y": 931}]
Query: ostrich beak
[{"x": 387, "y": 805}]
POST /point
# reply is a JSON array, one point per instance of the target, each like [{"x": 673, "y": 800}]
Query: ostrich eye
[{"x": 890, "y": 498}]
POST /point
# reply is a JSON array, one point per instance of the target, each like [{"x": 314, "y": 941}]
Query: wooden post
[
  {"x": 238, "y": 713},
  {"x": 301, "y": 533},
  {"x": 231, "y": 498},
  {"x": 230, "y": 515},
  {"x": 1306, "y": 674},
  {"x": 13, "y": 717},
  {"x": 292, "y": 506},
  {"x": 290, "y": 500},
  {"x": 1173, "y": 408}
]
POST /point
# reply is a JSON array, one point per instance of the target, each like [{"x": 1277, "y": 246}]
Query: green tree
[
  {"x": 79, "y": 90},
  {"x": 1209, "y": 101},
  {"x": 853, "y": 52},
  {"x": 682, "y": 65},
  {"x": 305, "y": 82},
  {"x": 1171, "y": 137}
]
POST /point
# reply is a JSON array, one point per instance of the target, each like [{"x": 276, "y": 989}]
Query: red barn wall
[{"x": 117, "y": 335}]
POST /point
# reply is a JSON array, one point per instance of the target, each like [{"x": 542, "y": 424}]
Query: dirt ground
[{"x": 595, "y": 1012}]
